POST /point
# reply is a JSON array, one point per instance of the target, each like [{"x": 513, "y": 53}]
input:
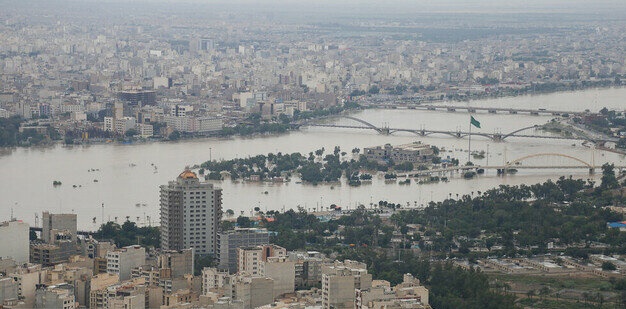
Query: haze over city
[{"x": 312, "y": 154}]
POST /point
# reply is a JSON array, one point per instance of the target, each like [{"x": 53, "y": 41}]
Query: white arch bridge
[
  {"x": 516, "y": 164},
  {"x": 457, "y": 134}
]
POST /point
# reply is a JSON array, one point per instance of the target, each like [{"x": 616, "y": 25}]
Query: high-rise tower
[{"x": 190, "y": 214}]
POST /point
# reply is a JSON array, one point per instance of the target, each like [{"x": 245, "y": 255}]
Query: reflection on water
[{"x": 126, "y": 178}]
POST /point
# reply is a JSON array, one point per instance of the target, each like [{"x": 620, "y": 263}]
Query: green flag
[{"x": 474, "y": 122}]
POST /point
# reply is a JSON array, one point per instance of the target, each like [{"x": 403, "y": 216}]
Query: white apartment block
[
  {"x": 145, "y": 130},
  {"x": 121, "y": 261},
  {"x": 124, "y": 124},
  {"x": 109, "y": 124},
  {"x": 14, "y": 243}
]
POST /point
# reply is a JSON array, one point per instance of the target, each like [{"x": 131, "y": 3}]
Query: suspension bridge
[{"x": 457, "y": 134}]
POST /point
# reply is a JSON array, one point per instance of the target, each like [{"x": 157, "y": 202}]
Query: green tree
[
  {"x": 131, "y": 133},
  {"x": 202, "y": 261},
  {"x": 608, "y": 266},
  {"x": 609, "y": 181},
  {"x": 244, "y": 222}
]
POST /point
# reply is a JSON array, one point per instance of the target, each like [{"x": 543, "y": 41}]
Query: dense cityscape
[{"x": 79, "y": 77}]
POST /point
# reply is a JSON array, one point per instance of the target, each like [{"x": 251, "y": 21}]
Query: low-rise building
[
  {"x": 179, "y": 263},
  {"x": 14, "y": 241},
  {"x": 121, "y": 261},
  {"x": 56, "y": 296},
  {"x": 413, "y": 153}
]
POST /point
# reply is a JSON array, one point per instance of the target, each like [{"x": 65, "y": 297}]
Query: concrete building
[
  {"x": 109, "y": 124},
  {"x": 283, "y": 272},
  {"x": 124, "y": 124},
  {"x": 180, "y": 110},
  {"x": 8, "y": 290},
  {"x": 190, "y": 214},
  {"x": 98, "y": 294},
  {"x": 413, "y": 153},
  {"x": 151, "y": 274},
  {"x": 145, "y": 130},
  {"x": 138, "y": 97},
  {"x": 54, "y": 253},
  {"x": 254, "y": 291},
  {"x": 59, "y": 222},
  {"x": 27, "y": 279},
  {"x": 194, "y": 124},
  {"x": 121, "y": 261},
  {"x": 251, "y": 260},
  {"x": 106, "y": 292},
  {"x": 179, "y": 299},
  {"x": 408, "y": 294},
  {"x": 340, "y": 281},
  {"x": 14, "y": 241},
  {"x": 217, "y": 282},
  {"x": 56, "y": 296},
  {"x": 178, "y": 263},
  {"x": 229, "y": 241},
  {"x": 308, "y": 267}
]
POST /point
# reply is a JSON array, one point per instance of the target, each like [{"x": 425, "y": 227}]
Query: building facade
[
  {"x": 340, "y": 282},
  {"x": 120, "y": 262},
  {"x": 229, "y": 241},
  {"x": 190, "y": 214},
  {"x": 414, "y": 153},
  {"x": 14, "y": 243},
  {"x": 59, "y": 222}
]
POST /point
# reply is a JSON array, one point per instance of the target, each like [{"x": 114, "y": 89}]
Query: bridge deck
[
  {"x": 459, "y": 134},
  {"x": 453, "y": 108}
]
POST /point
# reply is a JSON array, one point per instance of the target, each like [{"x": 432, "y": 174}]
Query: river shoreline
[{"x": 218, "y": 135}]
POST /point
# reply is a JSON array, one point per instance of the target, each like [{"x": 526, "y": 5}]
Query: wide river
[{"x": 128, "y": 182}]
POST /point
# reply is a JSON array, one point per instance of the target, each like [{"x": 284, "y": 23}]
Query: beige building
[
  {"x": 57, "y": 296},
  {"x": 179, "y": 263},
  {"x": 58, "y": 222},
  {"x": 27, "y": 279},
  {"x": 121, "y": 261},
  {"x": 251, "y": 260},
  {"x": 254, "y": 291},
  {"x": 415, "y": 153},
  {"x": 283, "y": 272},
  {"x": 217, "y": 281},
  {"x": 340, "y": 281},
  {"x": 14, "y": 243},
  {"x": 8, "y": 290},
  {"x": 190, "y": 214},
  {"x": 98, "y": 292},
  {"x": 408, "y": 294}
]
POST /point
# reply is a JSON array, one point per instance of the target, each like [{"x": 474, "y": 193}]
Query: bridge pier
[{"x": 592, "y": 171}]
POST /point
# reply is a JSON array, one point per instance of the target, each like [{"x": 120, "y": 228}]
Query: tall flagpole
[{"x": 469, "y": 141}]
